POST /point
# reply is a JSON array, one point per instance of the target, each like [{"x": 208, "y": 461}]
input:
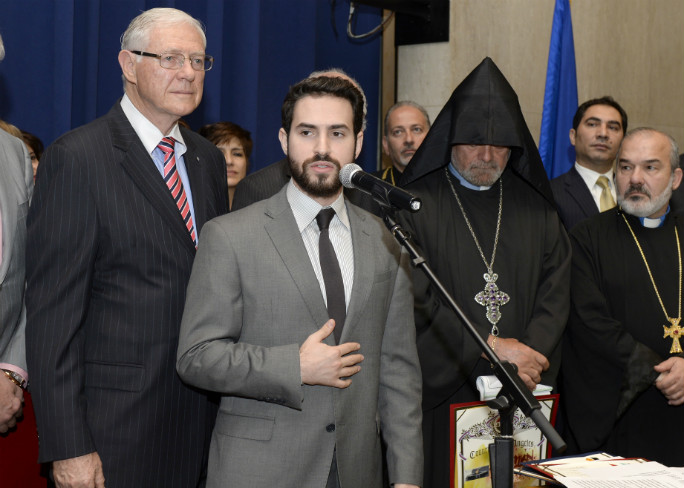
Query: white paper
[
  {"x": 627, "y": 475},
  {"x": 622, "y": 483},
  {"x": 489, "y": 387}
]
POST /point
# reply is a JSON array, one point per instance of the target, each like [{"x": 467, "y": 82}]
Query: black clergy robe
[
  {"x": 533, "y": 265},
  {"x": 615, "y": 337}
]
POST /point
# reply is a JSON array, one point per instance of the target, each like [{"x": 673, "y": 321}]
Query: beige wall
[{"x": 630, "y": 49}]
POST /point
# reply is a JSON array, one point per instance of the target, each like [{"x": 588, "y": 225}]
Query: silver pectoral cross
[{"x": 492, "y": 298}]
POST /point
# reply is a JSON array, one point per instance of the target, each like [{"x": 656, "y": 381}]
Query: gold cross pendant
[{"x": 675, "y": 332}]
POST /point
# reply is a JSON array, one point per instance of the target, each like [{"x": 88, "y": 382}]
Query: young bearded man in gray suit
[
  {"x": 269, "y": 180},
  {"x": 16, "y": 184},
  {"x": 304, "y": 402},
  {"x": 112, "y": 235}
]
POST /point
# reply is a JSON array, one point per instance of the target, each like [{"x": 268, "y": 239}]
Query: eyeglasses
[{"x": 176, "y": 61}]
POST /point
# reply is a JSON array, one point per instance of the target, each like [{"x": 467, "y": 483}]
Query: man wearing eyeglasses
[{"x": 113, "y": 229}]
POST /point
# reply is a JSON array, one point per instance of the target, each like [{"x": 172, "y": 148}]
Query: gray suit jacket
[
  {"x": 253, "y": 299},
  {"x": 16, "y": 184}
]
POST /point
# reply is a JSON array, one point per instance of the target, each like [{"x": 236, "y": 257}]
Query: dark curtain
[{"x": 61, "y": 70}]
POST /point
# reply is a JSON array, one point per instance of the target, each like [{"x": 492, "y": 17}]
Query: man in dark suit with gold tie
[
  {"x": 588, "y": 188},
  {"x": 113, "y": 229}
]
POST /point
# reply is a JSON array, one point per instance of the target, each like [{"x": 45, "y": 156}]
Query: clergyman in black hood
[{"x": 489, "y": 229}]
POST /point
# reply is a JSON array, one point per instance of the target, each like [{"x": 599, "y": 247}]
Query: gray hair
[
  {"x": 674, "y": 148},
  {"x": 137, "y": 34},
  {"x": 405, "y": 103},
  {"x": 343, "y": 74},
  {"x": 2, "y": 49}
]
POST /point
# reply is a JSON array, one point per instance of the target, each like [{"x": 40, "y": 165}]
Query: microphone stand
[{"x": 514, "y": 394}]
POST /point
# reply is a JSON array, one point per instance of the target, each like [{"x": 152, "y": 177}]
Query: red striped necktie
[{"x": 173, "y": 181}]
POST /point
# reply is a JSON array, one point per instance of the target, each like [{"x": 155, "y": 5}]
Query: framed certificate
[{"x": 473, "y": 427}]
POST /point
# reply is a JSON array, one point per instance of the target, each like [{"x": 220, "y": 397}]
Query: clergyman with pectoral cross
[
  {"x": 489, "y": 230},
  {"x": 623, "y": 367}
]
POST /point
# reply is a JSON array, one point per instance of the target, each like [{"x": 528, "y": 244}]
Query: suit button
[{"x": 330, "y": 428}]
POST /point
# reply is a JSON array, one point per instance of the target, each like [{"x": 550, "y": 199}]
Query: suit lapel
[
  {"x": 283, "y": 231},
  {"x": 141, "y": 169},
  {"x": 578, "y": 191},
  {"x": 364, "y": 268}
]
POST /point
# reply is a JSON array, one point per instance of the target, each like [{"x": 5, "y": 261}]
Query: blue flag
[{"x": 560, "y": 95}]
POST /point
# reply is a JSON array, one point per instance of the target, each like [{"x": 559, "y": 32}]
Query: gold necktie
[{"x": 606, "y": 201}]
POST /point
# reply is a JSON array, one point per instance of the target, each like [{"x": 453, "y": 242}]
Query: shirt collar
[
  {"x": 590, "y": 176},
  {"x": 306, "y": 208},
  {"x": 465, "y": 182},
  {"x": 148, "y": 133}
]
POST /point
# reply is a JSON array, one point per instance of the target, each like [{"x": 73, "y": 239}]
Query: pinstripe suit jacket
[
  {"x": 109, "y": 260},
  {"x": 16, "y": 183},
  {"x": 573, "y": 199},
  {"x": 253, "y": 299}
]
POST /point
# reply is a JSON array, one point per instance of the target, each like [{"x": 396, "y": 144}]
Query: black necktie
[{"x": 332, "y": 276}]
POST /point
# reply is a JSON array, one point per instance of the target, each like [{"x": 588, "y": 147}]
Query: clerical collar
[
  {"x": 465, "y": 182},
  {"x": 654, "y": 223}
]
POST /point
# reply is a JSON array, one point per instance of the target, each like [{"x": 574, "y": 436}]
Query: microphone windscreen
[{"x": 346, "y": 174}]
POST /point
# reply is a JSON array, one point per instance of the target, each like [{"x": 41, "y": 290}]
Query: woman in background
[
  {"x": 236, "y": 145},
  {"x": 33, "y": 144},
  {"x": 35, "y": 147}
]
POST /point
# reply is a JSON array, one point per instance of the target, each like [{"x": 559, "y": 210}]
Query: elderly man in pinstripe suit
[{"x": 112, "y": 236}]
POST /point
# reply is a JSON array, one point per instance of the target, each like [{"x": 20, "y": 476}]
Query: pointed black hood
[{"x": 483, "y": 109}]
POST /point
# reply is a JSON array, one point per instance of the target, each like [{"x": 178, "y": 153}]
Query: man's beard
[
  {"x": 320, "y": 186},
  {"x": 644, "y": 208},
  {"x": 481, "y": 173}
]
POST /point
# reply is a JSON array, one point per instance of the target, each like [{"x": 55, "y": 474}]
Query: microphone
[{"x": 352, "y": 176}]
